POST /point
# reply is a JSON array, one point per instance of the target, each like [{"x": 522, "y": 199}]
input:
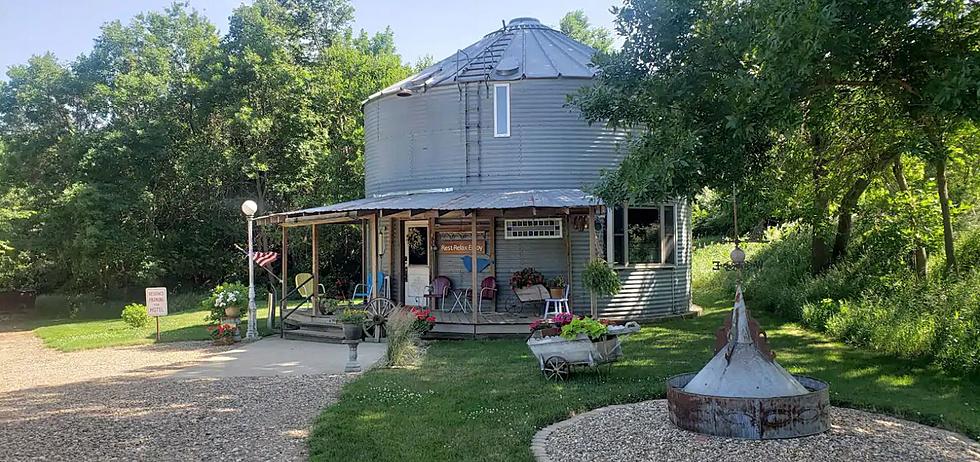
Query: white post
[
  {"x": 249, "y": 208},
  {"x": 252, "y": 333}
]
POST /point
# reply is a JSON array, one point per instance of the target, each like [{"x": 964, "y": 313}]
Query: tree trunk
[
  {"x": 845, "y": 218},
  {"x": 820, "y": 252},
  {"x": 919, "y": 258},
  {"x": 849, "y": 202},
  {"x": 944, "y": 205}
]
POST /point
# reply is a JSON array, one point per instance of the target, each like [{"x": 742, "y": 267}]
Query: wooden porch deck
[
  {"x": 456, "y": 325},
  {"x": 487, "y": 325}
]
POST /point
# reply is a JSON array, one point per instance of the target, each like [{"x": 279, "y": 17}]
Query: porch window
[
  {"x": 501, "y": 110},
  {"x": 641, "y": 235}
]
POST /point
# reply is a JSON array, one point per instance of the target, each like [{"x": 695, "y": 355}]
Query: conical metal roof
[
  {"x": 523, "y": 49},
  {"x": 741, "y": 369}
]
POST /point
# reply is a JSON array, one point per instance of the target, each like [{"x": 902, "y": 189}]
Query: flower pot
[
  {"x": 233, "y": 311},
  {"x": 224, "y": 341},
  {"x": 557, "y": 292},
  {"x": 353, "y": 331}
]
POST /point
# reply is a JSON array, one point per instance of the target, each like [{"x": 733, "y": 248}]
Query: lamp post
[{"x": 249, "y": 208}]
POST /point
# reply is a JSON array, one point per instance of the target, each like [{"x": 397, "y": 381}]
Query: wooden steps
[
  {"x": 301, "y": 325},
  {"x": 311, "y": 335}
]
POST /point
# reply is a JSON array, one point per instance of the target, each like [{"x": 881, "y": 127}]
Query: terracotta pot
[
  {"x": 558, "y": 292},
  {"x": 353, "y": 331},
  {"x": 233, "y": 311}
]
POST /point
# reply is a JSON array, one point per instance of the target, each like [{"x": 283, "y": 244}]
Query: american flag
[{"x": 265, "y": 258}]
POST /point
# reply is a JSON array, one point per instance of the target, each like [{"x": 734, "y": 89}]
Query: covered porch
[{"x": 470, "y": 239}]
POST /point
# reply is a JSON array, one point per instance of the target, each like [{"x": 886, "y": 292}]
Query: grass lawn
[
  {"x": 71, "y": 335},
  {"x": 484, "y": 400}
]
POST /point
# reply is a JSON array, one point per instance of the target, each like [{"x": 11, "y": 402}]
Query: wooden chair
[{"x": 439, "y": 290}]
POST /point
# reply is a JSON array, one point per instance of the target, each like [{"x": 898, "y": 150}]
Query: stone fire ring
[
  {"x": 752, "y": 418},
  {"x": 643, "y": 432}
]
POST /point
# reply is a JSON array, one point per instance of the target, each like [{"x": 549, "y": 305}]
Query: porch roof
[{"x": 444, "y": 201}]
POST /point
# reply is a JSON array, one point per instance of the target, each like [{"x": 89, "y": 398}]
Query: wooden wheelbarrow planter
[{"x": 556, "y": 355}]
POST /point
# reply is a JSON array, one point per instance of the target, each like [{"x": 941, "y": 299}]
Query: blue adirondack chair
[{"x": 367, "y": 287}]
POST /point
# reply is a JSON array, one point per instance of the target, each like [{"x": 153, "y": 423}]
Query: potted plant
[
  {"x": 582, "y": 325},
  {"x": 424, "y": 321},
  {"x": 226, "y": 301},
  {"x": 526, "y": 277},
  {"x": 552, "y": 327},
  {"x": 556, "y": 287},
  {"x": 600, "y": 279},
  {"x": 353, "y": 322},
  {"x": 223, "y": 334}
]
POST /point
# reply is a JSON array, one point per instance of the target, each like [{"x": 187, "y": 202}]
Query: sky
[{"x": 67, "y": 28}]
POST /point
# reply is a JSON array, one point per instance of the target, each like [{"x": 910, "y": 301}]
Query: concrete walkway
[{"x": 273, "y": 356}]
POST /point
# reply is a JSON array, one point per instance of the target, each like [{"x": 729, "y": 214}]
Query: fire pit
[{"x": 743, "y": 392}]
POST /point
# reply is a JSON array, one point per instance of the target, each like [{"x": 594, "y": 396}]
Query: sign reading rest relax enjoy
[
  {"x": 462, "y": 247},
  {"x": 156, "y": 301}
]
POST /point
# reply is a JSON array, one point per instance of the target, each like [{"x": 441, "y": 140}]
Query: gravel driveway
[
  {"x": 642, "y": 432},
  {"x": 124, "y": 404}
]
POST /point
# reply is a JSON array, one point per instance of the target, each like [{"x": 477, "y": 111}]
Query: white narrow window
[{"x": 501, "y": 110}]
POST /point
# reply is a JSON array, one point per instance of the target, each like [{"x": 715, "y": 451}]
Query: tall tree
[
  {"x": 575, "y": 24},
  {"x": 769, "y": 92},
  {"x": 127, "y": 166}
]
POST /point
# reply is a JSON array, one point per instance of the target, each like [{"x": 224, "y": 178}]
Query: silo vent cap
[{"x": 523, "y": 21}]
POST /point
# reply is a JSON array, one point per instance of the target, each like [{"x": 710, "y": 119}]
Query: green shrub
[
  {"x": 816, "y": 315},
  {"x": 968, "y": 250},
  {"x": 875, "y": 304},
  {"x": 135, "y": 315},
  {"x": 599, "y": 278},
  {"x": 773, "y": 281}
]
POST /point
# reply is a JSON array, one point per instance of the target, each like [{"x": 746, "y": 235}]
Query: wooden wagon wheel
[
  {"x": 378, "y": 311},
  {"x": 556, "y": 368}
]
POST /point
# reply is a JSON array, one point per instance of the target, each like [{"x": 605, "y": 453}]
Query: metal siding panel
[
  {"x": 545, "y": 255},
  {"x": 418, "y": 143}
]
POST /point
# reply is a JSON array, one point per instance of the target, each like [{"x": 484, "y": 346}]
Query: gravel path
[
  {"x": 26, "y": 363},
  {"x": 642, "y": 432},
  {"x": 122, "y": 404}
]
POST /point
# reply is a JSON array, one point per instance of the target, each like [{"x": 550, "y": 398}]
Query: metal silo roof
[{"x": 523, "y": 49}]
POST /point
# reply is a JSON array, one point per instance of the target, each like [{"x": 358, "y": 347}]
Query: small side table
[{"x": 462, "y": 300}]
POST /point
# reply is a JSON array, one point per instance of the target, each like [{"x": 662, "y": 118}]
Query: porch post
[
  {"x": 592, "y": 253},
  {"x": 492, "y": 254},
  {"x": 473, "y": 268},
  {"x": 373, "y": 223},
  {"x": 567, "y": 225},
  {"x": 316, "y": 272},
  {"x": 285, "y": 273}
]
